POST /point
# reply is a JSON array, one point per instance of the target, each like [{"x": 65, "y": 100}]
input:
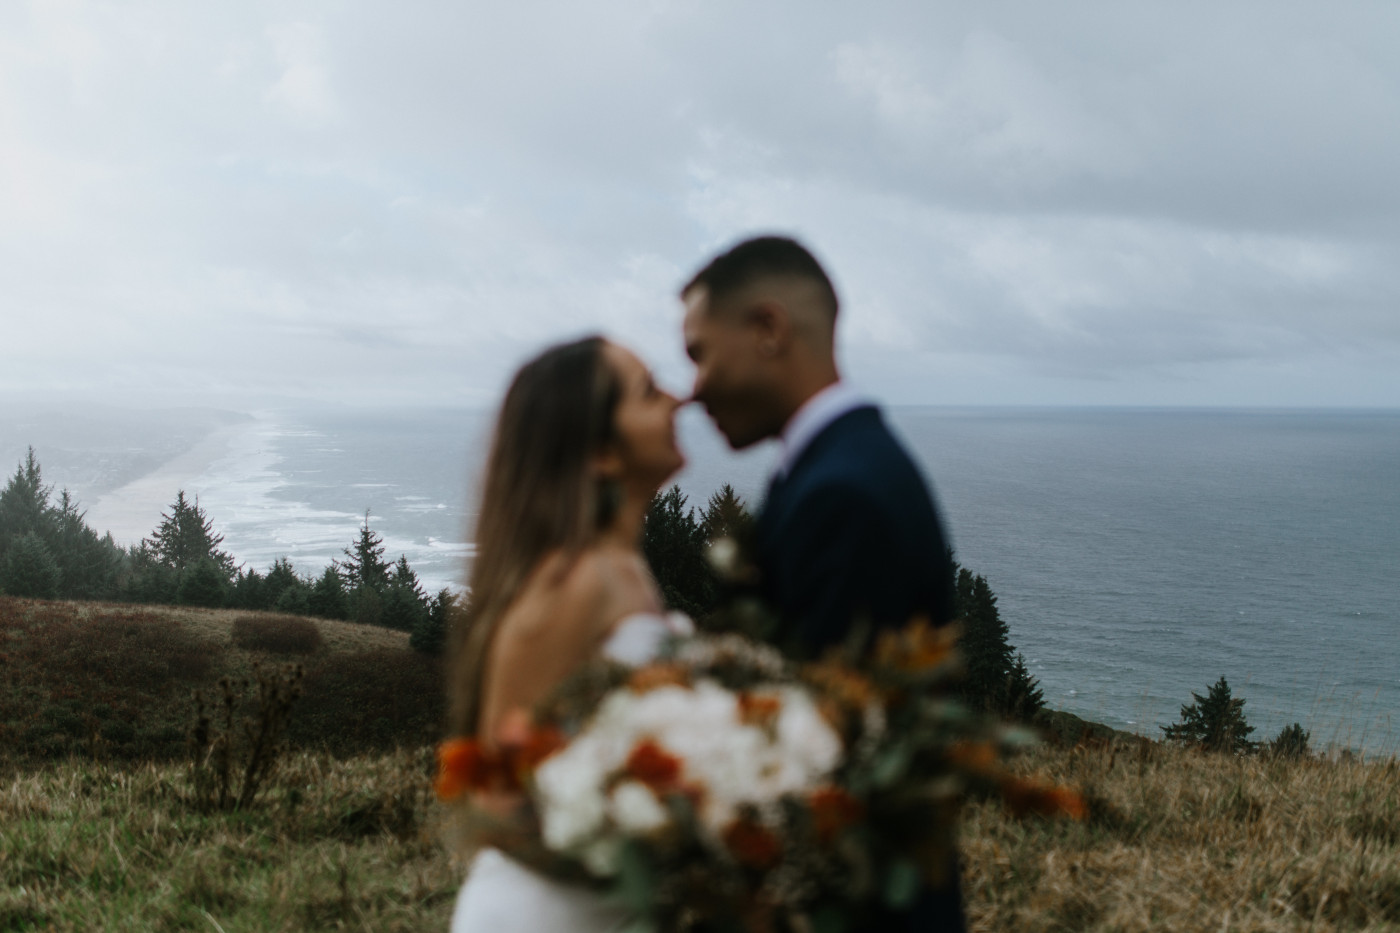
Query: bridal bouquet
[{"x": 725, "y": 787}]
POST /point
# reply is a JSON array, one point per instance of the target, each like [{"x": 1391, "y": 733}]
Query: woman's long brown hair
[{"x": 539, "y": 496}]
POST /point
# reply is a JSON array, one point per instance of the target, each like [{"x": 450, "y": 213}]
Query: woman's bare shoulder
[{"x": 587, "y": 592}]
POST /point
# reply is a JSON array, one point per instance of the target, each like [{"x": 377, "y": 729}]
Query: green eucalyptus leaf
[
  {"x": 636, "y": 879},
  {"x": 901, "y": 884},
  {"x": 890, "y": 765}
]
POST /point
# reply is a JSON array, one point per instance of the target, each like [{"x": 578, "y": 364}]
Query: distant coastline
[{"x": 129, "y": 512}]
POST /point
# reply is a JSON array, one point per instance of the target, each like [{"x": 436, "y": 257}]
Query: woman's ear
[{"x": 607, "y": 464}]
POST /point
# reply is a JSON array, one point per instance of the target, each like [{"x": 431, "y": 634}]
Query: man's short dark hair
[{"x": 759, "y": 258}]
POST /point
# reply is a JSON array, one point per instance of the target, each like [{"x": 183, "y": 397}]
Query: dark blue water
[
  {"x": 1137, "y": 555},
  {"x": 1140, "y": 555}
]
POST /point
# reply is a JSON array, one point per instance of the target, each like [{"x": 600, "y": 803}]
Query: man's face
[{"x": 732, "y": 375}]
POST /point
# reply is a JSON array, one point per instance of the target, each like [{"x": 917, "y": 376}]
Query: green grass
[{"x": 335, "y": 844}]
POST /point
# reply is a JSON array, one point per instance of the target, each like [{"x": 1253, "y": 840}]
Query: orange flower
[
  {"x": 647, "y": 679},
  {"x": 653, "y": 765},
  {"x": 1068, "y": 803},
  {"x": 751, "y": 844},
  {"x": 758, "y": 710},
  {"x": 833, "y": 809},
  {"x": 537, "y": 745},
  {"x": 1024, "y": 797},
  {"x": 918, "y": 646},
  {"x": 977, "y": 757},
  {"x": 841, "y": 684},
  {"x": 462, "y": 766}
]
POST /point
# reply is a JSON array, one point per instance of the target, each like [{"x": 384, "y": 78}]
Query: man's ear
[{"x": 772, "y": 324}]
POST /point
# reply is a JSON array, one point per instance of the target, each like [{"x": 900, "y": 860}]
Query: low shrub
[
  {"x": 114, "y": 683},
  {"x": 277, "y": 634},
  {"x": 382, "y": 698}
]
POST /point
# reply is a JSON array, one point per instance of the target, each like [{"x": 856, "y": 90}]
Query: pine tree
[
  {"x": 147, "y": 579},
  {"x": 29, "y": 570},
  {"x": 430, "y": 637},
  {"x": 985, "y": 645},
  {"x": 364, "y": 565},
  {"x": 281, "y": 578},
  {"x": 248, "y": 591},
  {"x": 365, "y": 606},
  {"x": 186, "y": 536},
  {"x": 328, "y": 595},
  {"x": 24, "y": 505},
  {"x": 1292, "y": 742},
  {"x": 997, "y": 677},
  {"x": 674, "y": 544},
  {"x": 203, "y": 584},
  {"x": 88, "y": 565},
  {"x": 295, "y": 599},
  {"x": 726, "y": 516},
  {"x": 1022, "y": 697},
  {"x": 405, "y": 603},
  {"x": 1214, "y": 722}
]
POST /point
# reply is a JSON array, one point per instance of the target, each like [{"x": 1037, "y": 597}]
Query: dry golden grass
[
  {"x": 1185, "y": 841},
  {"x": 216, "y": 625},
  {"x": 1177, "y": 841}
]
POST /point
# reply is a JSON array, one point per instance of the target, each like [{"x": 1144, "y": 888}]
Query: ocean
[{"x": 1137, "y": 555}]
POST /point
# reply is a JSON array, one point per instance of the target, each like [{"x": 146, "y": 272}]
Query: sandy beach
[{"x": 131, "y": 512}]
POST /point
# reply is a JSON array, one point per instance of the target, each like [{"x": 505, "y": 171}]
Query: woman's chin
[{"x": 664, "y": 475}]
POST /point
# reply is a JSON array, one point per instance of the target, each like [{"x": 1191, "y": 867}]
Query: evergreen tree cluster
[
  {"x": 675, "y": 541},
  {"x": 47, "y": 551},
  {"x": 1214, "y": 722},
  {"x": 675, "y": 537},
  {"x": 997, "y": 678}
]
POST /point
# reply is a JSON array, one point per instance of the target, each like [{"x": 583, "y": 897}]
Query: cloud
[
  {"x": 303, "y": 86},
  {"x": 364, "y": 202}
]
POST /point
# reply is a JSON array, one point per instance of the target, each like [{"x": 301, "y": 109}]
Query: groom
[{"x": 849, "y": 530}]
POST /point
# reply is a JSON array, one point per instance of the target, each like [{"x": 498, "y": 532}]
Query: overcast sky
[{"x": 1118, "y": 202}]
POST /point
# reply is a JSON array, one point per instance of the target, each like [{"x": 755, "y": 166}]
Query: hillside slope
[{"x": 118, "y": 681}]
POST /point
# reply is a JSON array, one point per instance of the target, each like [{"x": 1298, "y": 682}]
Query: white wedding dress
[{"x": 501, "y": 895}]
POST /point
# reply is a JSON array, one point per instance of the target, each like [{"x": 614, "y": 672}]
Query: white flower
[
  {"x": 724, "y": 557},
  {"x": 805, "y": 735},
  {"x": 635, "y": 809},
  {"x": 736, "y": 763},
  {"x": 569, "y": 788}
]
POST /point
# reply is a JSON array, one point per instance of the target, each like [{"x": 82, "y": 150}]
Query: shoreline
[{"x": 131, "y": 512}]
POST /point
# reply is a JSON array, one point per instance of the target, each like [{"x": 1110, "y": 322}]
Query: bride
[{"x": 584, "y": 439}]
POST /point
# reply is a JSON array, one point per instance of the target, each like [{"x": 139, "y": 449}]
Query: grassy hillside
[
  {"x": 116, "y": 682},
  {"x": 1182, "y": 840},
  {"x": 335, "y": 844},
  {"x": 1177, "y": 840}
]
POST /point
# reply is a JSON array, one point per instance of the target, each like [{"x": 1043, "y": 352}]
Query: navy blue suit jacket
[{"x": 852, "y": 533}]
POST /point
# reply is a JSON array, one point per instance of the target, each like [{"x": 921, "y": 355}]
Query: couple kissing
[{"x": 848, "y": 531}]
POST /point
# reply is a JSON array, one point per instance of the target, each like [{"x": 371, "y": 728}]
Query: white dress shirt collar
[{"x": 812, "y": 418}]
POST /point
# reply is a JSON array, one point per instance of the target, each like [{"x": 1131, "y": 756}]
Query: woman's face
[{"x": 645, "y": 424}]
